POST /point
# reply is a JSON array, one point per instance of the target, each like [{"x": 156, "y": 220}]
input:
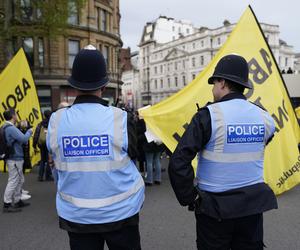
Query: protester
[
  {"x": 229, "y": 136},
  {"x": 99, "y": 190},
  {"x": 153, "y": 152},
  {"x": 39, "y": 139},
  {"x": 15, "y": 139},
  {"x": 23, "y": 126},
  {"x": 141, "y": 140}
]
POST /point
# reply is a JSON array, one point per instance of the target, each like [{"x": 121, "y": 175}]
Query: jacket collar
[
  {"x": 234, "y": 95},
  {"x": 90, "y": 99}
]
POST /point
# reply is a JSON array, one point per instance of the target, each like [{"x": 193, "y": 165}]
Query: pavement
[{"x": 164, "y": 224}]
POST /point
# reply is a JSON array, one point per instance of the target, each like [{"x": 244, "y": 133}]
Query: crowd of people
[{"x": 93, "y": 150}]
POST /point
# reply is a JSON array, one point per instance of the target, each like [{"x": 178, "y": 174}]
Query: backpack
[
  {"x": 42, "y": 136},
  {"x": 5, "y": 150}
]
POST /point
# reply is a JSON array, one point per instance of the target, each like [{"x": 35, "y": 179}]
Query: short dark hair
[
  {"x": 8, "y": 114},
  {"x": 235, "y": 87}
]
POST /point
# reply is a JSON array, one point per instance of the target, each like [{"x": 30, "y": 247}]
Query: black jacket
[{"x": 253, "y": 199}]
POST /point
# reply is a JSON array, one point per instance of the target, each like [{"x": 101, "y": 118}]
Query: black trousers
[
  {"x": 127, "y": 238},
  {"x": 245, "y": 233}
]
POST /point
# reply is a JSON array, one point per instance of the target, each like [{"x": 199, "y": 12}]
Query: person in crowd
[
  {"x": 99, "y": 189},
  {"x": 141, "y": 140},
  {"x": 39, "y": 139},
  {"x": 15, "y": 139},
  {"x": 23, "y": 126},
  {"x": 153, "y": 152},
  {"x": 230, "y": 135}
]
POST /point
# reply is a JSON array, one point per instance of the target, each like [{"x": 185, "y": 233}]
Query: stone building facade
[
  {"x": 51, "y": 59},
  {"x": 167, "y": 65}
]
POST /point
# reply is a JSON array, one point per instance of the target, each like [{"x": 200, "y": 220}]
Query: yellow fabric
[
  {"x": 18, "y": 92},
  {"x": 298, "y": 112},
  {"x": 282, "y": 160}
]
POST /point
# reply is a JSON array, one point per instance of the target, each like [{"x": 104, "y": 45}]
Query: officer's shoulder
[
  {"x": 202, "y": 112},
  {"x": 258, "y": 105}
]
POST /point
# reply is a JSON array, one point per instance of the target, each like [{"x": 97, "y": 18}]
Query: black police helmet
[
  {"x": 89, "y": 70},
  {"x": 233, "y": 68}
]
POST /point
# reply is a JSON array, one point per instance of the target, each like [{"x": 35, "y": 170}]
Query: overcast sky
[{"x": 209, "y": 13}]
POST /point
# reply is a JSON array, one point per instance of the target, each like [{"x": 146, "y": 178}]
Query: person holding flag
[{"x": 228, "y": 194}]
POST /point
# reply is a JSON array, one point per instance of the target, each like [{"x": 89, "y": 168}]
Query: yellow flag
[
  {"x": 169, "y": 118},
  {"x": 18, "y": 92}
]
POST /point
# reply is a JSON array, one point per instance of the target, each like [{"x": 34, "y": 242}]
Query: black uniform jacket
[
  {"x": 230, "y": 204},
  {"x": 132, "y": 152}
]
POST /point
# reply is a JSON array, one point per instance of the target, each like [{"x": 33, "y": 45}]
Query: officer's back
[{"x": 99, "y": 190}]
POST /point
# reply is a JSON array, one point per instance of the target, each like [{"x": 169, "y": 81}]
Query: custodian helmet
[
  {"x": 89, "y": 70},
  {"x": 233, "y": 68}
]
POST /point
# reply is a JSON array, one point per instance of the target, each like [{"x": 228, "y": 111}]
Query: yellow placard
[
  {"x": 169, "y": 118},
  {"x": 18, "y": 92}
]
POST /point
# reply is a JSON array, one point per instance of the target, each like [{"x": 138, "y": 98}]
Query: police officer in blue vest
[
  {"x": 99, "y": 190},
  {"x": 229, "y": 136}
]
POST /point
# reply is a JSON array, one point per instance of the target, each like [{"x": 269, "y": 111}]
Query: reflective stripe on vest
[
  {"x": 119, "y": 161},
  {"x": 232, "y": 157},
  {"x": 97, "y": 203}
]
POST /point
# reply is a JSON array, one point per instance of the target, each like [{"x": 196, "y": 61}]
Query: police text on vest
[
  {"x": 245, "y": 133},
  {"x": 85, "y": 146}
]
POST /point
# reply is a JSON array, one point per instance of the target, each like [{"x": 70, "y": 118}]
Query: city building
[
  {"x": 130, "y": 78},
  {"x": 50, "y": 59},
  {"x": 172, "y": 53}
]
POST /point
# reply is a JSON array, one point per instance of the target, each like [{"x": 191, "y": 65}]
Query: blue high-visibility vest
[
  {"x": 97, "y": 182},
  {"x": 234, "y": 155}
]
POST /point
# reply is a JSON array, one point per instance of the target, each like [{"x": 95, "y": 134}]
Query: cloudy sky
[{"x": 209, "y": 13}]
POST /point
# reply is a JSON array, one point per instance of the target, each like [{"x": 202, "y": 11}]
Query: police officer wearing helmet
[
  {"x": 99, "y": 190},
  {"x": 229, "y": 135}
]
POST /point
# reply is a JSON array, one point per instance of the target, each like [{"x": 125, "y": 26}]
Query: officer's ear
[{"x": 223, "y": 84}]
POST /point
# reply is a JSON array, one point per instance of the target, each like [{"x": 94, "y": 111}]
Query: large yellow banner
[
  {"x": 18, "y": 92},
  {"x": 169, "y": 118}
]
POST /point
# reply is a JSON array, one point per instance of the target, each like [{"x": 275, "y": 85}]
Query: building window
[
  {"x": 286, "y": 61},
  {"x": 41, "y": 52},
  {"x": 161, "y": 69},
  {"x": 187, "y": 31},
  {"x": 73, "y": 51},
  {"x": 202, "y": 43},
  {"x": 105, "y": 53},
  {"x": 219, "y": 40},
  {"x": 161, "y": 83},
  {"x": 202, "y": 60},
  {"x": 102, "y": 19},
  {"x": 169, "y": 83},
  {"x": 183, "y": 64},
  {"x": 193, "y": 76},
  {"x": 183, "y": 80},
  {"x": 26, "y": 10},
  {"x": 176, "y": 66},
  {"x": 155, "y": 82},
  {"x": 155, "y": 70},
  {"x": 73, "y": 18},
  {"x": 173, "y": 28},
  {"x": 194, "y": 45},
  {"x": 193, "y": 62},
  {"x": 176, "y": 81},
  {"x": 27, "y": 44}
]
